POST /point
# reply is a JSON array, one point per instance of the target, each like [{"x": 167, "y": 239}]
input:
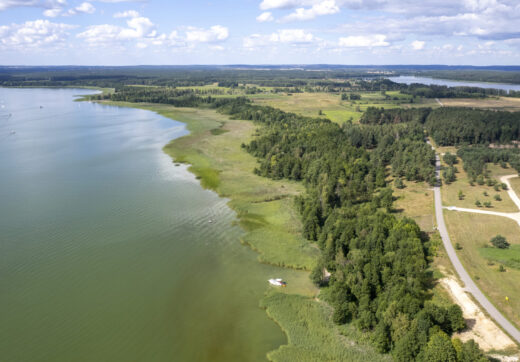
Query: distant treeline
[
  {"x": 442, "y": 91},
  {"x": 512, "y": 77},
  {"x": 334, "y": 80},
  {"x": 449, "y": 126}
]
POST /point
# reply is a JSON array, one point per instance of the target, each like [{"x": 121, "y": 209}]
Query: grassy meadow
[
  {"x": 473, "y": 233},
  {"x": 332, "y": 106}
]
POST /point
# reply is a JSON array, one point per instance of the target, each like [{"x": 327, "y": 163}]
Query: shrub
[{"x": 500, "y": 242}]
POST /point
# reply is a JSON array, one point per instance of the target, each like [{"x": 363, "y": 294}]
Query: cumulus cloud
[
  {"x": 127, "y": 14},
  {"x": 137, "y": 28},
  {"x": 214, "y": 34},
  {"x": 323, "y": 8},
  {"x": 86, "y": 8},
  {"x": 283, "y": 36},
  {"x": 364, "y": 41},
  {"x": 418, "y": 45},
  {"x": 285, "y": 4},
  {"x": 33, "y": 35},
  {"x": 265, "y": 17},
  {"x": 6, "y": 4}
]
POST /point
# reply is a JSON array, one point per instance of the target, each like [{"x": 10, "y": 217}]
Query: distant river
[
  {"x": 106, "y": 249},
  {"x": 453, "y": 83}
]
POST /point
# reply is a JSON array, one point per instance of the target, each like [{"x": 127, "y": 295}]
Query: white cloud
[
  {"x": 137, "y": 29},
  {"x": 86, "y": 8},
  {"x": 214, "y": 34},
  {"x": 6, "y": 4},
  {"x": 364, "y": 41},
  {"x": 33, "y": 35},
  {"x": 323, "y": 8},
  {"x": 265, "y": 17},
  {"x": 283, "y": 36},
  {"x": 52, "y": 13},
  {"x": 292, "y": 36},
  {"x": 127, "y": 14},
  {"x": 418, "y": 45},
  {"x": 284, "y": 4}
]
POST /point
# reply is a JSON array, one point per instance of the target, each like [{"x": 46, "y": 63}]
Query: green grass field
[
  {"x": 416, "y": 201},
  {"x": 331, "y": 105},
  {"x": 473, "y": 232}
]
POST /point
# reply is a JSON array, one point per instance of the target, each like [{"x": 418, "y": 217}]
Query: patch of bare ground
[{"x": 480, "y": 327}]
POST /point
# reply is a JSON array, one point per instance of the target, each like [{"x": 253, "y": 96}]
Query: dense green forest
[
  {"x": 476, "y": 157},
  {"x": 378, "y": 261},
  {"x": 453, "y": 126},
  {"x": 450, "y": 126}
]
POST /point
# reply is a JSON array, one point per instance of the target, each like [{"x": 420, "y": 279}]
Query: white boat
[{"x": 278, "y": 282}]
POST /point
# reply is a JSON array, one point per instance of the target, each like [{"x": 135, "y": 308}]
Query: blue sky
[{"x": 119, "y": 32}]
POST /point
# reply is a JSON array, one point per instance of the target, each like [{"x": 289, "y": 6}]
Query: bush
[
  {"x": 500, "y": 242},
  {"x": 498, "y": 198}
]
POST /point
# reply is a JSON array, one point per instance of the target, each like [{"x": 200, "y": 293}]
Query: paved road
[
  {"x": 511, "y": 192},
  {"x": 511, "y": 215},
  {"x": 470, "y": 286}
]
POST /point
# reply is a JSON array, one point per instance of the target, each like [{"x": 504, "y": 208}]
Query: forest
[{"x": 452, "y": 126}]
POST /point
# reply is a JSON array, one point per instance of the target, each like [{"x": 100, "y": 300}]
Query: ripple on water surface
[{"x": 107, "y": 252}]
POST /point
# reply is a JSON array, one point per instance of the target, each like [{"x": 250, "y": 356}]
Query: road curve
[
  {"x": 512, "y": 194},
  {"x": 470, "y": 286},
  {"x": 511, "y": 215}
]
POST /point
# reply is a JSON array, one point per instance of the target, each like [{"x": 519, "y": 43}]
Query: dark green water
[{"x": 106, "y": 250}]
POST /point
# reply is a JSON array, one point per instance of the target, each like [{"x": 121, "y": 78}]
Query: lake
[
  {"x": 453, "y": 83},
  {"x": 107, "y": 252}
]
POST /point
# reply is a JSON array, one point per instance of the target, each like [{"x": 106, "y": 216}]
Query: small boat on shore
[{"x": 277, "y": 282}]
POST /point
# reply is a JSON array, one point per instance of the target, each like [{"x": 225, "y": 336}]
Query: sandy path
[
  {"x": 482, "y": 329},
  {"x": 438, "y": 101}
]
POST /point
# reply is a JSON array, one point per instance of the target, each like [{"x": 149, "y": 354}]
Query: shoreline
[{"x": 265, "y": 211}]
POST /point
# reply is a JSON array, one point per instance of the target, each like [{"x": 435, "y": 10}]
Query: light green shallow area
[{"x": 108, "y": 252}]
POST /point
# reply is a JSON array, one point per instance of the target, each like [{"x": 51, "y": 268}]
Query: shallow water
[
  {"x": 453, "y": 83},
  {"x": 106, "y": 249}
]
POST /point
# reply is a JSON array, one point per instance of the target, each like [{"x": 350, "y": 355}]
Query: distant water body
[
  {"x": 453, "y": 83},
  {"x": 106, "y": 249}
]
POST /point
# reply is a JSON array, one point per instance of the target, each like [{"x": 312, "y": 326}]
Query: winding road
[{"x": 470, "y": 286}]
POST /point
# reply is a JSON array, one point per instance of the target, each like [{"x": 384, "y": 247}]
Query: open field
[
  {"x": 473, "y": 232},
  {"x": 331, "y": 105},
  {"x": 450, "y": 192},
  {"x": 499, "y": 103},
  {"x": 416, "y": 201}
]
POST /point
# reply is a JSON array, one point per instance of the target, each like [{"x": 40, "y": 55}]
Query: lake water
[
  {"x": 106, "y": 250},
  {"x": 453, "y": 83}
]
